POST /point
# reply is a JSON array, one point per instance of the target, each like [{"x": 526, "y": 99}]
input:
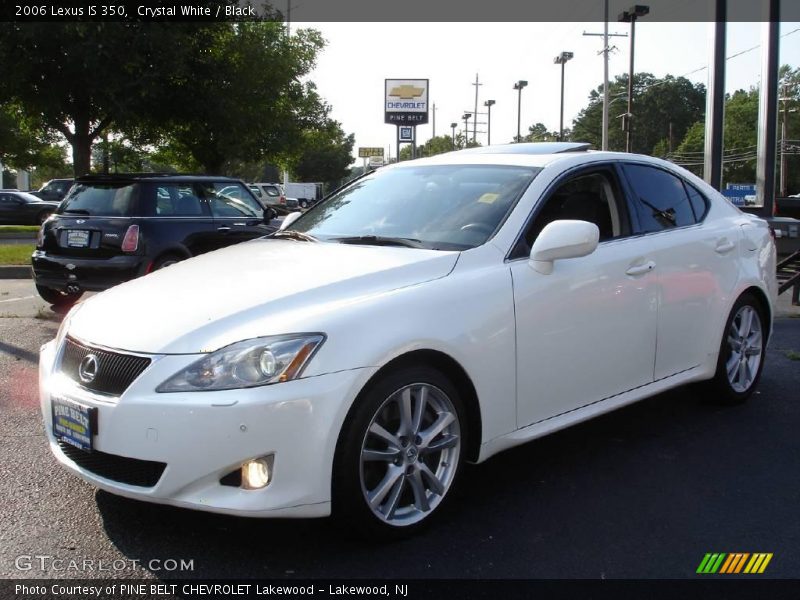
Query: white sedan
[{"x": 434, "y": 312}]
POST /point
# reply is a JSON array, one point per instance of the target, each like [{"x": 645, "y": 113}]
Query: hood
[{"x": 261, "y": 287}]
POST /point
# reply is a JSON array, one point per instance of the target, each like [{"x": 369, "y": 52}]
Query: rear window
[{"x": 100, "y": 199}]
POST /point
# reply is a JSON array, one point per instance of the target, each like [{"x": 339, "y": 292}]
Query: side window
[
  {"x": 660, "y": 199},
  {"x": 698, "y": 202},
  {"x": 232, "y": 200},
  {"x": 592, "y": 197},
  {"x": 177, "y": 200}
]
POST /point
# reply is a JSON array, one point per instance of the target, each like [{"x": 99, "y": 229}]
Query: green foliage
[
  {"x": 539, "y": 133},
  {"x": 325, "y": 156},
  {"x": 16, "y": 254},
  {"x": 657, "y": 103}
]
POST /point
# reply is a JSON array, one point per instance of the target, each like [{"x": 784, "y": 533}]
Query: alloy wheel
[
  {"x": 410, "y": 454},
  {"x": 745, "y": 340}
]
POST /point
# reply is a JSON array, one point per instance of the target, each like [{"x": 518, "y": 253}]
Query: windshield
[
  {"x": 99, "y": 199},
  {"x": 444, "y": 207}
]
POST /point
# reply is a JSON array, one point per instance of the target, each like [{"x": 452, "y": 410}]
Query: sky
[{"x": 350, "y": 71}]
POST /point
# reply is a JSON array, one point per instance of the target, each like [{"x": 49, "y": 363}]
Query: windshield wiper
[
  {"x": 291, "y": 234},
  {"x": 377, "y": 240}
]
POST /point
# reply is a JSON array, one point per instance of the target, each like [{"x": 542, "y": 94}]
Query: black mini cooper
[{"x": 112, "y": 228}]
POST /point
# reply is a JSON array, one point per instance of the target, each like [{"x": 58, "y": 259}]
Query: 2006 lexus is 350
[{"x": 431, "y": 313}]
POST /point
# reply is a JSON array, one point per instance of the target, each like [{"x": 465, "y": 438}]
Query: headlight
[
  {"x": 64, "y": 327},
  {"x": 250, "y": 363}
]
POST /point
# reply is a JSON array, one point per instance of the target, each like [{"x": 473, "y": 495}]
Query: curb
[
  {"x": 17, "y": 236},
  {"x": 15, "y": 272}
]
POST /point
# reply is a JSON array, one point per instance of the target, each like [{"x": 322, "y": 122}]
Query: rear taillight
[
  {"x": 40, "y": 237},
  {"x": 131, "y": 240},
  {"x": 282, "y": 199}
]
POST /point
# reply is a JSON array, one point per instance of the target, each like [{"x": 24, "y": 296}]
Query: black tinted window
[
  {"x": 100, "y": 199},
  {"x": 660, "y": 199},
  {"x": 176, "y": 200},
  {"x": 698, "y": 201},
  {"x": 231, "y": 200}
]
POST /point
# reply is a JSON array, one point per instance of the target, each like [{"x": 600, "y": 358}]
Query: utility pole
[
  {"x": 605, "y": 52},
  {"x": 434, "y": 120},
  {"x": 630, "y": 16},
  {"x": 475, "y": 120},
  {"x": 488, "y": 104}
]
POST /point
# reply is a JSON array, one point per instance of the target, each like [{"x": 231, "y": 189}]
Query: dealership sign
[
  {"x": 370, "y": 152},
  {"x": 406, "y": 102}
]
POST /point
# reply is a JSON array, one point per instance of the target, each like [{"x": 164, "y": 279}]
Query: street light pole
[
  {"x": 466, "y": 117},
  {"x": 488, "y": 104},
  {"x": 562, "y": 60},
  {"x": 518, "y": 86},
  {"x": 630, "y": 16},
  {"x": 453, "y": 127}
]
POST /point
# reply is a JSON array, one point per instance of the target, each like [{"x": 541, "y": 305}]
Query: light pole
[
  {"x": 466, "y": 118},
  {"x": 518, "y": 86},
  {"x": 630, "y": 16},
  {"x": 488, "y": 104},
  {"x": 562, "y": 60},
  {"x": 453, "y": 127}
]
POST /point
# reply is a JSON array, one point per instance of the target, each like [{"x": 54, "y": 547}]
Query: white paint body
[{"x": 543, "y": 351}]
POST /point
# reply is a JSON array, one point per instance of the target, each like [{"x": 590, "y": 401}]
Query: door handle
[
  {"x": 641, "y": 269},
  {"x": 724, "y": 245},
  {"x": 223, "y": 229}
]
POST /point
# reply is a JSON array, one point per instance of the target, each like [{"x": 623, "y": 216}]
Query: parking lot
[{"x": 643, "y": 492}]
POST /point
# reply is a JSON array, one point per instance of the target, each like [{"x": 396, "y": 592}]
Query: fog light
[{"x": 257, "y": 473}]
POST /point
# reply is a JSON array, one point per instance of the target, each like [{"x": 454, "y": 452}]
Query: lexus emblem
[{"x": 87, "y": 370}]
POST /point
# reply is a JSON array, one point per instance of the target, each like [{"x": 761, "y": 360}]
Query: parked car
[
  {"x": 307, "y": 194},
  {"x": 112, "y": 228},
  {"x": 434, "y": 312},
  {"x": 54, "y": 190},
  {"x": 22, "y": 208}
]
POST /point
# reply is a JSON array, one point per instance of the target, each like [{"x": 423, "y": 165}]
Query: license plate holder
[
  {"x": 78, "y": 238},
  {"x": 74, "y": 423}
]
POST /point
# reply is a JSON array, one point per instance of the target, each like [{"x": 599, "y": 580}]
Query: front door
[{"x": 587, "y": 331}]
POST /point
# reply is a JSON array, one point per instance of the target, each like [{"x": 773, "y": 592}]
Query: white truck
[{"x": 306, "y": 193}]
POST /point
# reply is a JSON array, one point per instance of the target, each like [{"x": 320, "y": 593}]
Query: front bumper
[
  {"x": 93, "y": 274},
  {"x": 202, "y": 436}
]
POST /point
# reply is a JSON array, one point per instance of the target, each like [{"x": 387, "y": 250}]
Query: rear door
[
  {"x": 176, "y": 216},
  {"x": 695, "y": 263},
  {"x": 238, "y": 216},
  {"x": 10, "y": 209}
]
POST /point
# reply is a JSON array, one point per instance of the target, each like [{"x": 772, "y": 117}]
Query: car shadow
[{"x": 557, "y": 497}]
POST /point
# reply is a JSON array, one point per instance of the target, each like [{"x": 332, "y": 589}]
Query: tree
[
  {"x": 23, "y": 144},
  {"x": 540, "y": 133},
  {"x": 326, "y": 154},
  {"x": 78, "y": 79},
  {"x": 240, "y": 96},
  {"x": 663, "y": 109}
]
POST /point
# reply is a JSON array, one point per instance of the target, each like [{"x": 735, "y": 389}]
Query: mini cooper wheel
[
  {"x": 741, "y": 356},
  {"x": 399, "y": 454}
]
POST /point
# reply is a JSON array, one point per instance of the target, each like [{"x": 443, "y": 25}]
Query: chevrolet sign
[{"x": 406, "y": 101}]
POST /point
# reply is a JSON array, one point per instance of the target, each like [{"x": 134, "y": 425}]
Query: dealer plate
[
  {"x": 74, "y": 423},
  {"x": 78, "y": 238}
]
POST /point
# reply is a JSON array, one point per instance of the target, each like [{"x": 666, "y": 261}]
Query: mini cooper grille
[
  {"x": 132, "y": 471},
  {"x": 113, "y": 372}
]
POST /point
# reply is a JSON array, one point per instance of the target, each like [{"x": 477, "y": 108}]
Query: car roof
[{"x": 184, "y": 177}]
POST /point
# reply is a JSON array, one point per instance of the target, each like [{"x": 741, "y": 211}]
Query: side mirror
[
  {"x": 269, "y": 214},
  {"x": 563, "y": 239},
  {"x": 289, "y": 219}
]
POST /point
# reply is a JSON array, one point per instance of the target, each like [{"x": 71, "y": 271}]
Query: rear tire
[
  {"x": 741, "y": 354},
  {"x": 399, "y": 454},
  {"x": 303, "y": 203},
  {"x": 57, "y": 298},
  {"x": 166, "y": 261}
]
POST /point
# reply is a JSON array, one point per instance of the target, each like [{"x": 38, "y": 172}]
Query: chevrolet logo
[{"x": 406, "y": 92}]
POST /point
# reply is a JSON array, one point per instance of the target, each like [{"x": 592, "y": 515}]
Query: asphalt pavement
[{"x": 644, "y": 492}]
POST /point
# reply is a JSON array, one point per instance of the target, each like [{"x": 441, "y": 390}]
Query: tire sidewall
[{"x": 348, "y": 502}]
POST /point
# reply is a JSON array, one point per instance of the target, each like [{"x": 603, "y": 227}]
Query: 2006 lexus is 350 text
[{"x": 431, "y": 313}]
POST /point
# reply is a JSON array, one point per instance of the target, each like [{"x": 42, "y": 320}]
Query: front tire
[
  {"x": 741, "y": 355},
  {"x": 399, "y": 454},
  {"x": 57, "y": 298}
]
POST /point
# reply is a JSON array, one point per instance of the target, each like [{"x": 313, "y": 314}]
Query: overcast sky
[{"x": 351, "y": 70}]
